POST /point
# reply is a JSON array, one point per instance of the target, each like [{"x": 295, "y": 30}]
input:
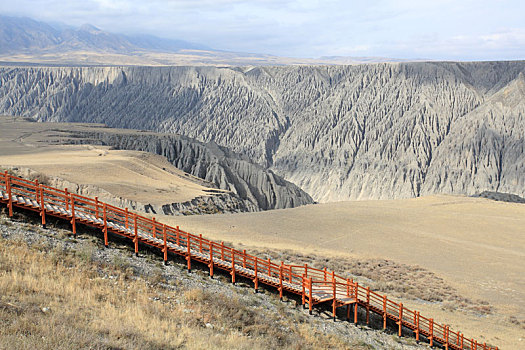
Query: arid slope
[{"x": 476, "y": 245}]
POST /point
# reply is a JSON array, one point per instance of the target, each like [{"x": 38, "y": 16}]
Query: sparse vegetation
[
  {"x": 395, "y": 279},
  {"x": 232, "y": 318},
  {"x": 29, "y": 174},
  {"x": 58, "y": 299}
]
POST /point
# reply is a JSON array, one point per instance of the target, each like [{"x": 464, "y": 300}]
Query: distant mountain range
[
  {"x": 27, "y": 41},
  {"x": 25, "y": 35}
]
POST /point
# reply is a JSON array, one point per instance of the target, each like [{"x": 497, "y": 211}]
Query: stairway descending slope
[{"x": 315, "y": 286}]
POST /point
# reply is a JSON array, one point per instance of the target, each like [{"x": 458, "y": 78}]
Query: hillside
[
  {"x": 375, "y": 131},
  {"x": 191, "y": 178},
  {"x": 470, "y": 247},
  {"x": 61, "y": 292},
  {"x": 401, "y": 278},
  {"x": 438, "y": 253}
]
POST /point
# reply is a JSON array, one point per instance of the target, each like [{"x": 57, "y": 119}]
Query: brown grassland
[
  {"x": 56, "y": 297},
  {"x": 54, "y": 301}
]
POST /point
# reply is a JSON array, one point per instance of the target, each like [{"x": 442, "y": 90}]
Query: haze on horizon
[{"x": 436, "y": 30}]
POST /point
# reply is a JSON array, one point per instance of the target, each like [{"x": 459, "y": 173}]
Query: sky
[{"x": 408, "y": 29}]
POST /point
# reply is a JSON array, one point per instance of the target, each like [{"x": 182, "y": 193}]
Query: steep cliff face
[
  {"x": 338, "y": 132},
  {"x": 253, "y": 187},
  {"x": 485, "y": 149}
]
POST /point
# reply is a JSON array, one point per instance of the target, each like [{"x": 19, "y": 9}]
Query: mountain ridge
[
  {"x": 22, "y": 34},
  {"x": 25, "y": 41},
  {"x": 338, "y": 132}
]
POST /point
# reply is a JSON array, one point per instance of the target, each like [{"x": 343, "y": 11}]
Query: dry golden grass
[
  {"x": 58, "y": 300},
  {"x": 394, "y": 279},
  {"x": 475, "y": 246}
]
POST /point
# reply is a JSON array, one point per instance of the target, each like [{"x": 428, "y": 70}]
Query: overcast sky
[{"x": 433, "y": 29}]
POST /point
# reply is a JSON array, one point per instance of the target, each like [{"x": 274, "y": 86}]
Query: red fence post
[
  {"x": 446, "y": 330},
  {"x": 222, "y": 251},
  {"x": 211, "y": 260},
  {"x": 136, "y": 238},
  {"x": 431, "y": 331},
  {"x": 367, "y": 305},
  {"x": 416, "y": 313},
  {"x": 73, "y": 219},
  {"x": 348, "y": 296},
  {"x": 334, "y": 301},
  {"x": 200, "y": 243},
  {"x": 233, "y": 266},
  {"x": 310, "y": 298},
  {"x": 153, "y": 228},
  {"x": 178, "y": 236},
  {"x": 188, "y": 257},
  {"x": 269, "y": 267},
  {"x": 384, "y": 311},
  {"x": 356, "y": 301},
  {"x": 256, "y": 279},
  {"x": 9, "y": 193},
  {"x": 400, "y": 323},
  {"x": 281, "y": 281},
  {"x": 244, "y": 258},
  {"x": 105, "y": 226},
  {"x": 165, "y": 234}
]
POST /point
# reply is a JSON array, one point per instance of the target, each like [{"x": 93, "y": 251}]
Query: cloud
[
  {"x": 502, "y": 44},
  {"x": 513, "y": 38},
  {"x": 441, "y": 29}
]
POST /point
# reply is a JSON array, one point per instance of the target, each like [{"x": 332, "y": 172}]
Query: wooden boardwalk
[{"x": 314, "y": 286}]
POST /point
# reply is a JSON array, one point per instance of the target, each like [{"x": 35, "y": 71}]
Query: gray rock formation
[
  {"x": 252, "y": 187},
  {"x": 338, "y": 132},
  {"x": 501, "y": 197}
]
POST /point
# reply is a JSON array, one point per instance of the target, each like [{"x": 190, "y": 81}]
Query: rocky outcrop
[
  {"x": 501, "y": 197},
  {"x": 338, "y": 132},
  {"x": 214, "y": 204},
  {"x": 253, "y": 187}
]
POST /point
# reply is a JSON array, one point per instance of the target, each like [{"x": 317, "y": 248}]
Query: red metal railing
[{"x": 315, "y": 286}]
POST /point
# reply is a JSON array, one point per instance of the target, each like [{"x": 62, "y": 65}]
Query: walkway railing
[{"x": 315, "y": 286}]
